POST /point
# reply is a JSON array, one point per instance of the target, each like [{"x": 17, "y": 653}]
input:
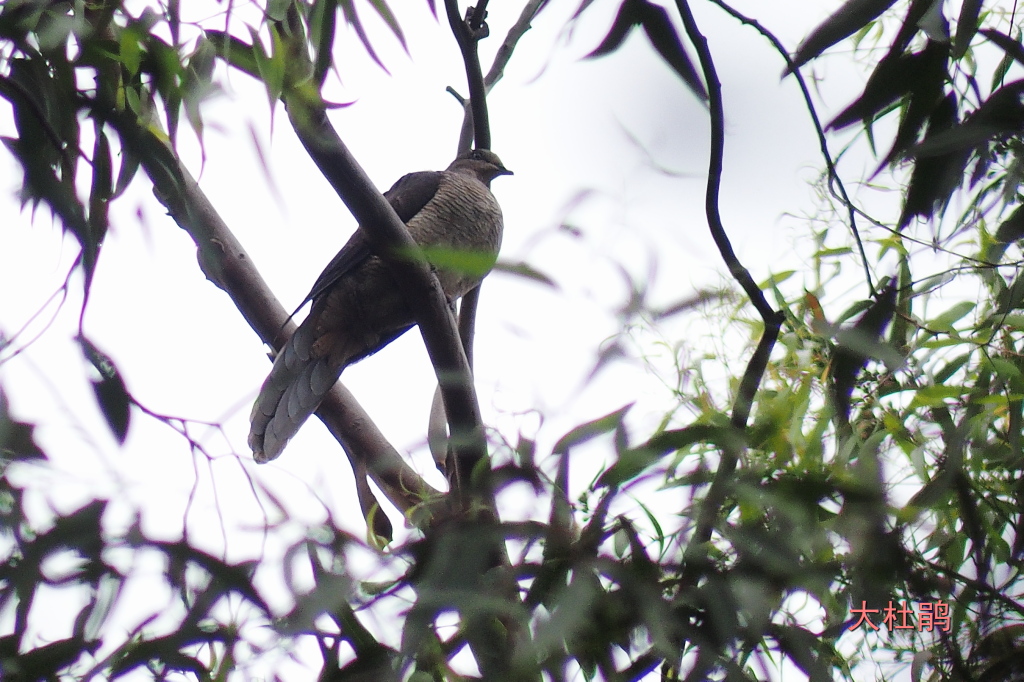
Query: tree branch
[
  {"x": 772, "y": 319},
  {"x": 467, "y": 33},
  {"x": 835, "y": 185},
  {"x": 389, "y": 236}
]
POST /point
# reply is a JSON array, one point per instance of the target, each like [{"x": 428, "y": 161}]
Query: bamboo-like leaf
[
  {"x": 348, "y": 8},
  {"x": 625, "y": 20},
  {"x": 591, "y": 429},
  {"x": 634, "y": 461},
  {"x": 102, "y": 184},
  {"x": 236, "y": 53},
  {"x": 111, "y": 394},
  {"x": 526, "y": 271},
  {"x": 322, "y": 27},
  {"x": 389, "y": 18},
  {"x": 893, "y": 78},
  {"x": 846, "y": 21},
  {"x": 1006, "y": 43},
  {"x": 665, "y": 39},
  {"x": 966, "y": 27},
  {"x": 934, "y": 178},
  {"x": 925, "y": 96},
  {"x": 662, "y": 34}
]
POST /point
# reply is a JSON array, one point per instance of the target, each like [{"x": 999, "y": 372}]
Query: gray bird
[{"x": 357, "y": 306}]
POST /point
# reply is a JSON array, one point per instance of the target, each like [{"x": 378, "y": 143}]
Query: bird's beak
[{"x": 505, "y": 171}]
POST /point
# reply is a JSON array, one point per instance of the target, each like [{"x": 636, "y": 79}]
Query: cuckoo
[{"x": 357, "y": 307}]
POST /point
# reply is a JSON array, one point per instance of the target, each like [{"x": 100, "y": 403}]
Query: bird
[{"x": 357, "y": 307}]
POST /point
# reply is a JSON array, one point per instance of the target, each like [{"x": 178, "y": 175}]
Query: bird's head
[{"x": 483, "y": 163}]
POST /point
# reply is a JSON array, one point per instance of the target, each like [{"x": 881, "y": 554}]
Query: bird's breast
[{"x": 463, "y": 216}]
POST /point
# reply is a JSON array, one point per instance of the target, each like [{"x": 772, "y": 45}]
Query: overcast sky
[{"x": 588, "y": 142}]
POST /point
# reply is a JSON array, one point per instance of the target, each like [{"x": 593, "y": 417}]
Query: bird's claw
[{"x": 477, "y": 32}]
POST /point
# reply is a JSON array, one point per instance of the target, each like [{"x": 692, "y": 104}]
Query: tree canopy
[{"x": 855, "y": 456}]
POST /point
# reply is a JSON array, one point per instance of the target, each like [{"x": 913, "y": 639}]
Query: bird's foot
[{"x": 477, "y": 24}]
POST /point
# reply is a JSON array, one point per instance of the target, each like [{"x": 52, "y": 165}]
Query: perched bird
[{"x": 357, "y": 305}]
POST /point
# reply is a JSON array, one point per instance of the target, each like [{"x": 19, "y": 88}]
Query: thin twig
[{"x": 835, "y": 182}]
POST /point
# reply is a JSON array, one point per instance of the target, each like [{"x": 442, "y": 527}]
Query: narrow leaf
[
  {"x": 110, "y": 390},
  {"x": 966, "y": 27},
  {"x": 846, "y": 21},
  {"x": 591, "y": 429},
  {"x": 666, "y": 41}
]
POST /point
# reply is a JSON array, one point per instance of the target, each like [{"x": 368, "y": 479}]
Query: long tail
[{"x": 296, "y": 386}]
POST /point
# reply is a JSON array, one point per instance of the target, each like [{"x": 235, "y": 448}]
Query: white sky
[{"x": 563, "y": 125}]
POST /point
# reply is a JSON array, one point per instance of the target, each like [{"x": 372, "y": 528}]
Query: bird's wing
[{"x": 407, "y": 196}]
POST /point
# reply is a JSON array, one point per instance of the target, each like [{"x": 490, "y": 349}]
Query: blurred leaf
[
  {"x": 662, "y": 34},
  {"x": 322, "y": 27},
  {"x": 1008, "y": 232},
  {"x": 894, "y": 77},
  {"x": 525, "y": 271},
  {"x": 925, "y": 96},
  {"x": 935, "y": 396},
  {"x": 966, "y": 27},
  {"x": 102, "y": 182},
  {"x": 113, "y": 398},
  {"x": 900, "y": 332},
  {"x": 946, "y": 320},
  {"x": 634, "y": 461},
  {"x": 472, "y": 263},
  {"x": 245, "y": 58},
  {"x": 857, "y": 344},
  {"x": 843, "y": 23},
  {"x": 590, "y": 430},
  {"x": 1001, "y": 114},
  {"x": 271, "y": 67},
  {"x": 348, "y": 9},
  {"x": 934, "y": 178},
  {"x": 392, "y": 23},
  {"x": 127, "y": 172},
  {"x": 16, "y": 441}
]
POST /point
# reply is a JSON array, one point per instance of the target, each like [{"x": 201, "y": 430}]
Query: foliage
[{"x": 795, "y": 518}]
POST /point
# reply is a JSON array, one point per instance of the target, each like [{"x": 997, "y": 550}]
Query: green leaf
[
  {"x": 243, "y": 57},
  {"x": 472, "y": 263},
  {"x": 130, "y": 52},
  {"x": 348, "y": 9},
  {"x": 946, "y": 320},
  {"x": 934, "y": 396},
  {"x": 634, "y": 461},
  {"x": 389, "y": 18},
  {"x": 322, "y": 26}
]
